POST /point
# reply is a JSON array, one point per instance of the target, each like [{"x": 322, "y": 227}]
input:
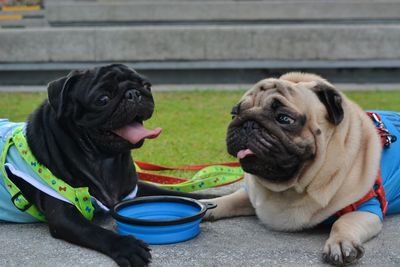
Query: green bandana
[{"x": 80, "y": 197}]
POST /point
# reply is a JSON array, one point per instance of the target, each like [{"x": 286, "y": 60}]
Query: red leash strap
[
  {"x": 154, "y": 167},
  {"x": 169, "y": 179},
  {"x": 159, "y": 178}
]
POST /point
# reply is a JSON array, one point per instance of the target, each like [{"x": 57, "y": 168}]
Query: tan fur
[
  {"x": 343, "y": 170},
  {"x": 298, "y": 77}
]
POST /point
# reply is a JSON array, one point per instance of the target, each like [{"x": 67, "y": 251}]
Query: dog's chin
[
  {"x": 110, "y": 143},
  {"x": 123, "y": 146},
  {"x": 263, "y": 169}
]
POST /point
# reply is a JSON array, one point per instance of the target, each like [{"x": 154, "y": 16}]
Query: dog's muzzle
[{"x": 264, "y": 154}]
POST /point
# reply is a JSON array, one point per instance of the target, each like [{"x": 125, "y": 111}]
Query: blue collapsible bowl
[{"x": 160, "y": 219}]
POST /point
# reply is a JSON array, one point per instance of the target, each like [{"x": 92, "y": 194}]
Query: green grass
[{"x": 194, "y": 123}]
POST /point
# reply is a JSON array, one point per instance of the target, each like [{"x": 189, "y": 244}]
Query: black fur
[
  {"x": 70, "y": 135},
  {"x": 332, "y": 100}
]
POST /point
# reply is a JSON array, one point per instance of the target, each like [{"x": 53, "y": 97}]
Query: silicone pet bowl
[{"x": 160, "y": 219}]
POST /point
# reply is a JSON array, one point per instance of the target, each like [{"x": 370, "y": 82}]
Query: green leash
[{"x": 208, "y": 176}]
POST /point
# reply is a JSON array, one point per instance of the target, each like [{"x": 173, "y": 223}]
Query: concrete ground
[{"x": 232, "y": 242}]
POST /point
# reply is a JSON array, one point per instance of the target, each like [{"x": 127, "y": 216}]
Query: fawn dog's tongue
[
  {"x": 135, "y": 132},
  {"x": 244, "y": 153}
]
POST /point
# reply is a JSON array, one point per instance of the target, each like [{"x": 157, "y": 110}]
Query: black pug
[{"x": 83, "y": 134}]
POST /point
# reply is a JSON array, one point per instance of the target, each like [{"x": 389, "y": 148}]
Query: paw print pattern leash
[{"x": 207, "y": 176}]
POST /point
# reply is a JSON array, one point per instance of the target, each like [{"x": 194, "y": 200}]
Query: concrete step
[
  {"x": 207, "y": 41},
  {"x": 153, "y": 11},
  {"x": 41, "y": 73},
  {"x": 205, "y": 54},
  {"x": 202, "y": 42}
]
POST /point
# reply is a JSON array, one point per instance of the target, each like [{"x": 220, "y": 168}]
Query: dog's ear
[
  {"x": 332, "y": 100},
  {"x": 58, "y": 90}
]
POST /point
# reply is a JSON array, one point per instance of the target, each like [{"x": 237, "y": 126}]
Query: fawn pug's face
[{"x": 275, "y": 125}]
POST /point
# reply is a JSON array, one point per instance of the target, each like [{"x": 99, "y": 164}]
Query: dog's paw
[
  {"x": 209, "y": 216},
  {"x": 341, "y": 251},
  {"x": 129, "y": 251}
]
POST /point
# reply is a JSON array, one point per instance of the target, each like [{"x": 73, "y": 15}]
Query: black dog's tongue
[{"x": 135, "y": 132}]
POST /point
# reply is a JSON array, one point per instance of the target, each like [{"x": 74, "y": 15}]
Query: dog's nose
[{"x": 133, "y": 95}]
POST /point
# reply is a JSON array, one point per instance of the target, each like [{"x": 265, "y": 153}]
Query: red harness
[{"x": 377, "y": 190}]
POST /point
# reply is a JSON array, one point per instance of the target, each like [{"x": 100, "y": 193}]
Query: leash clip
[
  {"x": 390, "y": 138},
  {"x": 14, "y": 200},
  {"x": 383, "y": 132},
  {"x": 377, "y": 119}
]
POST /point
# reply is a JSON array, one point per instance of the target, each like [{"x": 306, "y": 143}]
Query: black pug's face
[
  {"x": 105, "y": 106},
  {"x": 272, "y": 128}
]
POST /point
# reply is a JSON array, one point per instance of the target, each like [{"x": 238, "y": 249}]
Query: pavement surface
[{"x": 241, "y": 241}]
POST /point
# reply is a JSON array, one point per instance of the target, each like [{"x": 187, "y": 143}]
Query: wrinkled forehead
[
  {"x": 116, "y": 74},
  {"x": 110, "y": 78},
  {"x": 268, "y": 90}
]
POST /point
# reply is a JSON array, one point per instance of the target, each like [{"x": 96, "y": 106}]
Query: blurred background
[{"x": 202, "y": 42}]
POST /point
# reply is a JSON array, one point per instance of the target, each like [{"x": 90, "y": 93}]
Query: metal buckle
[
  {"x": 389, "y": 138},
  {"x": 376, "y": 118}
]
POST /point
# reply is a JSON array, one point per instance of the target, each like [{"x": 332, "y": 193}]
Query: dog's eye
[
  {"x": 284, "y": 119},
  {"x": 103, "y": 100}
]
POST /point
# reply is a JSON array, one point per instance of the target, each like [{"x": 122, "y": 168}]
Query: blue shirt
[
  {"x": 8, "y": 212},
  {"x": 390, "y": 168}
]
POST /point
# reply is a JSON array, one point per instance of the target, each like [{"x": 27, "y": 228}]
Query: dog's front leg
[
  {"x": 348, "y": 234},
  {"x": 65, "y": 222},
  {"x": 235, "y": 204}
]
